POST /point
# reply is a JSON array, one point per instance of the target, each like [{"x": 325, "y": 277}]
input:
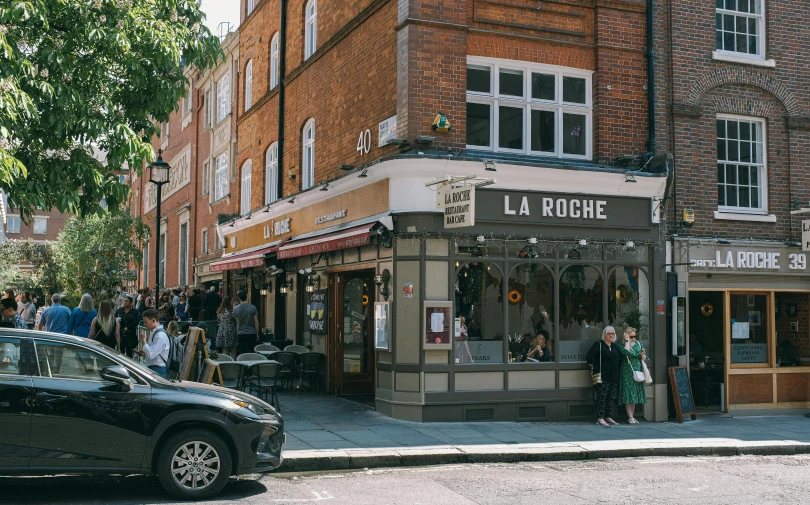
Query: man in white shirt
[{"x": 156, "y": 349}]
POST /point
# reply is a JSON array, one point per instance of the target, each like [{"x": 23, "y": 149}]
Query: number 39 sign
[{"x": 364, "y": 142}]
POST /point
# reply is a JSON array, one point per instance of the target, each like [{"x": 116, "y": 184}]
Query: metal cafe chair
[
  {"x": 224, "y": 357},
  {"x": 231, "y": 375},
  {"x": 298, "y": 349},
  {"x": 287, "y": 360},
  {"x": 262, "y": 378},
  {"x": 250, "y": 356},
  {"x": 311, "y": 369},
  {"x": 265, "y": 348}
]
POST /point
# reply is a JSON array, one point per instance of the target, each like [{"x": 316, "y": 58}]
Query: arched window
[
  {"x": 274, "y": 61},
  {"x": 581, "y": 291},
  {"x": 271, "y": 174},
  {"x": 308, "y": 161},
  {"x": 247, "y": 170},
  {"x": 530, "y": 313},
  {"x": 479, "y": 307},
  {"x": 311, "y": 29},
  {"x": 248, "y": 84},
  {"x": 629, "y": 301}
]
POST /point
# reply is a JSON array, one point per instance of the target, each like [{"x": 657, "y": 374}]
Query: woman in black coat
[{"x": 605, "y": 358}]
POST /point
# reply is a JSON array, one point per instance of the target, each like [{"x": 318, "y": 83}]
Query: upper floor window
[
  {"x": 741, "y": 26},
  {"x": 251, "y": 4},
  {"x": 13, "y": 224},
  {"x": 223, "y": 97},
  {"x": 40, "y": 225},
  {"x": 311, "y": 29},
  {"x": 187, "y": 99},
  {"x": 520, "y": 107},
  {"x": 247, "y": 174},
  {"x": 221, "y": 176},
  {"x": 274, "y": 61},
  {"x": 308, "y": 161},
  {"x": 741, "y": 165},
  {"x": 164, "y": 130},
  {"x": 248, "y": 84},
  {"x": 271, "y": 174},
  {"x": 207, "y": 113},
  {"x": 204, "y": 235},
  {"x": 206, "y": 178}
]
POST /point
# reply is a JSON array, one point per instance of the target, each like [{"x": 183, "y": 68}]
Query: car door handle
[{"x": 50, "y": 397}]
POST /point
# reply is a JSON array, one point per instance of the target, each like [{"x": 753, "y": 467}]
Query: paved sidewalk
[{"x": 328, "y": 433}]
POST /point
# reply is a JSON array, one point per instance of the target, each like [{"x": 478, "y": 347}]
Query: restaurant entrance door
[{"x": 351, "y": 349}]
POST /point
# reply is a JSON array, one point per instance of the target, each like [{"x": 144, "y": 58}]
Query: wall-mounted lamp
[
  {"x": 481, "y": 239},
  {"x": 489, "y": 166},
  {"x": 382, "y": 280},
  {"x": 629, "y": 177},
  {"x": 583, "y": 244},
  {"x": 285, "y": 287},
  {"x": 267, "y": 209},
  {"x": 325, "y": 187},
  {"x": 630, "y": 246},
  {"x": 313, "y": 283},
  {"x": 266, "y": 288}
]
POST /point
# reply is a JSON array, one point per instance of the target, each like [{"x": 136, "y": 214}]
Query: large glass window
[
  {"x": 524, "y": 107},
  {"x": 749, "y": 328},
  {"x": 581, "y": 311},
  {"x": 271, "y": 174},
  {"x": 629, "y": 302},
  {"x": 741, "y": 168},
  {"x": 530, "y": 314},
  {"x": 740, "y": 26},
  {"x": 479, "y": 310}
]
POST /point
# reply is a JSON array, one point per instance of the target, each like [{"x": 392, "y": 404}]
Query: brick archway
[{"x": 738, "y": 75}]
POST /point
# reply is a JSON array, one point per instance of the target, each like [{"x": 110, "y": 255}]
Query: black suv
[{"x": 70, "y": 405}]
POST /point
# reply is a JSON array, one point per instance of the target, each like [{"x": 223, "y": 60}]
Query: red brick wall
[{"x": 56, "y": 222}]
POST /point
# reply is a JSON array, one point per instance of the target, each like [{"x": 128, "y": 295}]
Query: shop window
[
  {"x": 792, "y": 329},
  {"x": 530, "y": 314},
  {"x": 528, "y": 108},
  {"x": 581, "y": 294},
  {"x": 740, "y": 27},
  {"x": 749, "y": 328},
  {"x": 741, "y": 167},
  {"x": 629, "y": 302},
  {"x": 479, "y": 308}
]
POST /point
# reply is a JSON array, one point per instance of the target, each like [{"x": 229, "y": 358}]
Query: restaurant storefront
[
  {"x": 378, "y": 282},
  {"x": 748, "y": 323}
]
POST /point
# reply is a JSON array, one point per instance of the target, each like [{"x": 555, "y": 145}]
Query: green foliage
[
  {"x": 78, "y": 76},
  {"x": 94, "y": 253},
  {"x": 41, "y": 278}
]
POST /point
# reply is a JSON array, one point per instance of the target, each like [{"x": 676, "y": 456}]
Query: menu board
[{"x": 682, "y": 393}]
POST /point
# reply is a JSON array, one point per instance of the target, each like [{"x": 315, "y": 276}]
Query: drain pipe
[
  {"x": 650, "y": 81},
  {"x": 282, "y": 71}
]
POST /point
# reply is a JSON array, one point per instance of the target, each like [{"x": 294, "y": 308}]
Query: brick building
[
  {"x": 732, "y": 82},
  {"x": 346, "y": 161}
]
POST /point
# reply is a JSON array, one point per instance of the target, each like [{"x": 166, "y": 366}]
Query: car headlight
[{"x": 259, "y": 411}]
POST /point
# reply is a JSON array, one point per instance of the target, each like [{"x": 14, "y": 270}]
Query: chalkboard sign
[{"x": 682, "y": 392}]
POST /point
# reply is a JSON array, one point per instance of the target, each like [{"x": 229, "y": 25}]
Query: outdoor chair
[
  {"x": 231, "y": 375},
  {"x": 262, "y": 378},
  {"x": 250, "y": 356},
  {"x": 287, "y": 361},
  {"x": 224, "y": 357},
  {"x": 265, "y": 348},
  {"x": 311, "y": 369},
  {"x": 298, "y": 349}
]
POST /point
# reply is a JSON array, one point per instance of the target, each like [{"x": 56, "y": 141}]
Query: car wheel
[{"x": 194, "y": 464}]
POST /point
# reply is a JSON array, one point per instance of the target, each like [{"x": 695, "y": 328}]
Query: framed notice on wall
[
  {"x": 437, "y": 325},
  {"x": 382, "y": 324}
]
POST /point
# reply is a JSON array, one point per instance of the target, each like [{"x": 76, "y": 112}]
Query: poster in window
[
  {"x": 317, "y": 313},
  {"x": 382, "y": 339},
  {"x": 437, "y": 325}
]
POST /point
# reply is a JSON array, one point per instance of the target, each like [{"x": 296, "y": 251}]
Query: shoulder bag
[
  {"x": 597, "y": 377},
  {"x": 637, "y": 376}
]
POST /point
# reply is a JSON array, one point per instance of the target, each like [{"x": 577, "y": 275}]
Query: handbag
[
  {"x": 638, "y": 376},
  {"x": 647, "y": 377},
  {"x": 597, "y": 377}
]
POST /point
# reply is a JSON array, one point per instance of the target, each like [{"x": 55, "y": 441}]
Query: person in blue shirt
[
  {"x": 82, "y": 317},
  {"x": 55, "y": 318}
]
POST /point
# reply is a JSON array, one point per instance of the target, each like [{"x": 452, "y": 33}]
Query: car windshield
[{"x": 131, "y": 362}]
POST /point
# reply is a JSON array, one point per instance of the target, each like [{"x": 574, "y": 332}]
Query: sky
[{"x": 217, "y": 11}]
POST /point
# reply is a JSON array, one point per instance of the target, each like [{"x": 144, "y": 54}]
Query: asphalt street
[{"x": 762, "y": 480}]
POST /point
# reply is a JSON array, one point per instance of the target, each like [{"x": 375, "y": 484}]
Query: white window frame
[
  {"x": 495, "y": 100},
  {"x": 208, "y": 107},
  {"x": 251, "y": 4},
  {"x": 763, "y": 168},
  {"x": 760, "y": 20},
  {"x": 308, "y": 155},
  {"x": 206, "y": 177},
  {"x": 310, "y": 29},
  {"x": 12, "y": 218},
  {"x": 182, "y": 259},
  {"x": 247, "y": 176},
  {"x": 187, "y": 99},
  {"x": 221, "y": 176},
  {"x": 248, "y": 85},
  {"x": 40, "y": 219},
  {"x": 271, "y": 174},
  {"x": 219, "y": 242},
  {"x": 223, "y": 97},
  {"x": 204, "y": 239},
  {"x": 274, "y": 61}
]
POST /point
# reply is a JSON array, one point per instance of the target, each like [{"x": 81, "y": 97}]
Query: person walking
[
  {"x": 226, "y": 328},
  {"x": 105, "y": 328},
  {"x": 156, "y": 347},
  {"x": 247, "y": 323},
  {"x": 10, "y": 318},
  {"x": 55, "y": 318},
  {"x": 604, "y": 357},
  {"x": 631, "y": 393},
  {"x": 82, "y": 317},
  {"x": 128, "y": 319},
  {"x": 211, "y": 303},
  {"x": 194, "y": 304}
]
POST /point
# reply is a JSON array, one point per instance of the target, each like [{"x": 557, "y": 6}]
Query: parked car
[{"x": 70, "y": 405}]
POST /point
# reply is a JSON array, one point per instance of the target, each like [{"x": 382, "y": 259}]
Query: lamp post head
[{"x": 159, "y": 170}]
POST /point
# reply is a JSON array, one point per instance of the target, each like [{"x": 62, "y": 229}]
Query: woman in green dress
[{"x": 631, "y": 393}]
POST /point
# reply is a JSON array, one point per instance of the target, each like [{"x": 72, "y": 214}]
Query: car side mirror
[{"x": 117, "y": 374}]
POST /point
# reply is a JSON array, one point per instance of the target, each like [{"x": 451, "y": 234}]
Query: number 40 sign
[{"x": 364, "y": 142}]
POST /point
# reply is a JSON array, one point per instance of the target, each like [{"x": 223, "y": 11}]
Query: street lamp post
[{"x": 158, "y": 175}]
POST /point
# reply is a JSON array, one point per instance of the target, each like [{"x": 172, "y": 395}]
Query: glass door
[{"x": 353, "y": 364}]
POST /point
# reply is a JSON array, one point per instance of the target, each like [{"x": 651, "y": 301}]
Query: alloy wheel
[{"x": 195, "y": 465}]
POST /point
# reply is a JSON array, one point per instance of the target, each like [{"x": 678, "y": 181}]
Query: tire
[{"x": 186, "y": 449}]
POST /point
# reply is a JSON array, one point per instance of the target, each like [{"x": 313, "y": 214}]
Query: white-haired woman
[
  {"x": 82, "y": 317},
  {"x": 605, "y": 356}
]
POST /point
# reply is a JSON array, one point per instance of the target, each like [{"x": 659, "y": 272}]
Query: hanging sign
[
  {"x": 458, "y": 205},
  {"x": 805, "y": 236}
]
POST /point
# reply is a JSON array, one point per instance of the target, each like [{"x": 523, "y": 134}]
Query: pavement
[{"x": 328, "y": 433}]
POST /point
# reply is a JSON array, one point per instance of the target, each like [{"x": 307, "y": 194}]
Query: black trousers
[
  {"x": 246, "y": 343},
  {"x": 605, "y": 398}
]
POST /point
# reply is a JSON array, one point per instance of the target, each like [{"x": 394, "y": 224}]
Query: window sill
[
  {"x": 745, "y": 60},
  {"x": 185, "y": 121},
  {"x": 731, "y": 216}
]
